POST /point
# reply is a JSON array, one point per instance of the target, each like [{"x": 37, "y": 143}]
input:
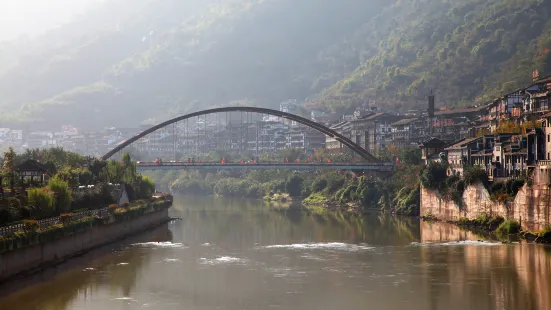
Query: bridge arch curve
[{"x": 321, "y": 128}]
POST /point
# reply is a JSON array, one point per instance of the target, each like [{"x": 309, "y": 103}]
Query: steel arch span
[{"x": 321, "y": 128}]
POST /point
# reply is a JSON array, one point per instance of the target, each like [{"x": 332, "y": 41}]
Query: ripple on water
[
  {"x": 321, "y": 246},
  {"x": 159, "y": 245},
  {"x": 222, "y": 260},
  {"x": 170, "y": 260},
  {"x": 456, "y": 243}
]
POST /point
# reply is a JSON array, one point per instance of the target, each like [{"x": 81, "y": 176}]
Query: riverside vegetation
[
  {"x": 330, "y": 189},
  {"x": 72, "y": 183},
  {"x": 32, "y": 234}
]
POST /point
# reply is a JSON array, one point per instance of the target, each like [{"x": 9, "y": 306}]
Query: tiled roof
[
  {"x": 31, "y": 165},
  {"x": 459, "y": 111},
  {"x": 404, "y": 121},
  {"x": 433, "y": 141},
  {"x": 460, "y": 144}
]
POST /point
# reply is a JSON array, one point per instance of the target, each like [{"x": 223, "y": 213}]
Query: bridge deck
[{"x": 379, "y": 167}]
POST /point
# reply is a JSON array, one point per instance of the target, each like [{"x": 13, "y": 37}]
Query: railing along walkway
[{"x": 45, "y": 223}]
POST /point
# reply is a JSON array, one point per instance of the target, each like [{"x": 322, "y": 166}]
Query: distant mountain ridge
[{"x": 158, "y": 58}]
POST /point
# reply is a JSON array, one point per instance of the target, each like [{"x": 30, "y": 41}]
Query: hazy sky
[{"x": 34, "y": 16}]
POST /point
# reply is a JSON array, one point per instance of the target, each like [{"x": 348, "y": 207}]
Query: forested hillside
[
  {"x": 469, "y": 51},
  {"x": 158, "y": 58}
]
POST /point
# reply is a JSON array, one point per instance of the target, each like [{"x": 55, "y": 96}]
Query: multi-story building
[
  {"x": 343, "y": 128},
  {"x": 408, "y": 132},
  {"x": 373, "y": 131},
  {"x": 431, "y": 150},
  {"x": 305, "y": 138}
]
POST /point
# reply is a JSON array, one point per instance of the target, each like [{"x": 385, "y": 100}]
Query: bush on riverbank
[
  {"x": 508, "y": 227},
  {"x": 315, "y": 199},
  {"x": 32, "y": 234},
  {"x": 485, "y": 222}
]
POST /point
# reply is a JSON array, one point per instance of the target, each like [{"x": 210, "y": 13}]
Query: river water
[{"x": 240, "y": 254}]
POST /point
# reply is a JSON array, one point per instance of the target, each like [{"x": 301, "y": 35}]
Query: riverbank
[
  {"x": 32, "y": 250},
  {"x": 503, "y": 229}
]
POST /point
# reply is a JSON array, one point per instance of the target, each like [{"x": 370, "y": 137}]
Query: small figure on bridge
[
  {"x": 189, "y": 160},
  {"x": 286, "y": 160},
  {"x": 329, "y": 161},
  {"x": 309, "y": 159},
  {"x": 242, "y": 161},
  {"x": 223, "y": 160},
  {"x": 192, "y": 160},
  {"x": 298, "y": 160}
]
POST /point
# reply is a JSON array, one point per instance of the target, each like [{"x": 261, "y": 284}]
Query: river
[{"x": 240, "y": 254}]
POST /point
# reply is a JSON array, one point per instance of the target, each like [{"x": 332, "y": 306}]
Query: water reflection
[
  {"x": 492, "y": 275},
  {"x": 109, "y": 267},
  {"x": 242, "y": 254}
]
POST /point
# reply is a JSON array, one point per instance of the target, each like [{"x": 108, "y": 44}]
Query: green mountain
[
  {"x": 132, "y": 60},
  {"x": 468, "y": 51}
]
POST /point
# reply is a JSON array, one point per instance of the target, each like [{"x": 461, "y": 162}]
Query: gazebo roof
[{"x": 31, "y": 165}]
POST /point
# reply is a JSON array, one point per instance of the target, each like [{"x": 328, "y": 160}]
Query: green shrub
[
  {"x": 508, "y": 227},
  {"x": 474, "y": 175},
  {"x": 335, "y": 182},
  {"x": 42, "y": 201},
  {"x": 497, "y": 187},
  {"x": 434, "y": 175},
  {"x": 293, "y": 186},
  {"x": 8, "y": 215},
  {"x": 92, "y": 198},
  {"x": 513, "y": 186},
  {"x": 62, "y": 194},
  {"x": 460, "y": 186},
  {"x": 31, "y": 225},
  {"x": 452, "y": 180},
  {"x": 319, "y": 185},
  {"x": 315, "y": 199},
  {"x": 146, "y": 188}
]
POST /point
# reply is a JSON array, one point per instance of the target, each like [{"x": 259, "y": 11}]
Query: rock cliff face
[{"x": 531, "y": 207}]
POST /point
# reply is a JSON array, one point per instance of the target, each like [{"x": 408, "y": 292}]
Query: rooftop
[
  {"x": 433, "y": 142},
  {"x": 462, "y": 143},
  {"x": 404, "y": 121},
  {"x": 460, "y": 111}
]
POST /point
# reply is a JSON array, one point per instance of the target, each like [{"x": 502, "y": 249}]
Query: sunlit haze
[{"x": 19, "y": 17}]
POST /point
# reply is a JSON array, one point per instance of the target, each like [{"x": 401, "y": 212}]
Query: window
[
  {"x": 497, "y": 158},
  {"x": 548, "y": 138}
]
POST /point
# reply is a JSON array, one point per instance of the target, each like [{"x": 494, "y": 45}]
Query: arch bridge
[{"x": 364, "y": 154}]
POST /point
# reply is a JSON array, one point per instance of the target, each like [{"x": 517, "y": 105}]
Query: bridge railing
[{"x": 275, "y": 163}]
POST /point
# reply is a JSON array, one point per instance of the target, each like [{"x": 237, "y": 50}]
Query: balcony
[{"x": 544, "y": 163}]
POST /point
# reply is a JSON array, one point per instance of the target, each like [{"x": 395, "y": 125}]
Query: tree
[
  {"x": 434, "y": 175},
  {"x": 294, "y": 185},
  {"x": 62, "y": 194},
  {"x": 8, "y": 167}
]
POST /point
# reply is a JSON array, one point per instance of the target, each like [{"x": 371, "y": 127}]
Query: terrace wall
[
  {"x": 39, "y": 256},
  {"x": 531, "y": 206}
]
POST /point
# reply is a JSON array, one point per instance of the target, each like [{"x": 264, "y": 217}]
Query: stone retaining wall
[
  {"x": 38, "y": 256},
  {"x": 531, "y": 206}
]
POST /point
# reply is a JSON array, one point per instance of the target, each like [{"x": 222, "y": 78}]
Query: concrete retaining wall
[
  {"x": 38, "y": 256},
  {"x": 531, "y": 206}
]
